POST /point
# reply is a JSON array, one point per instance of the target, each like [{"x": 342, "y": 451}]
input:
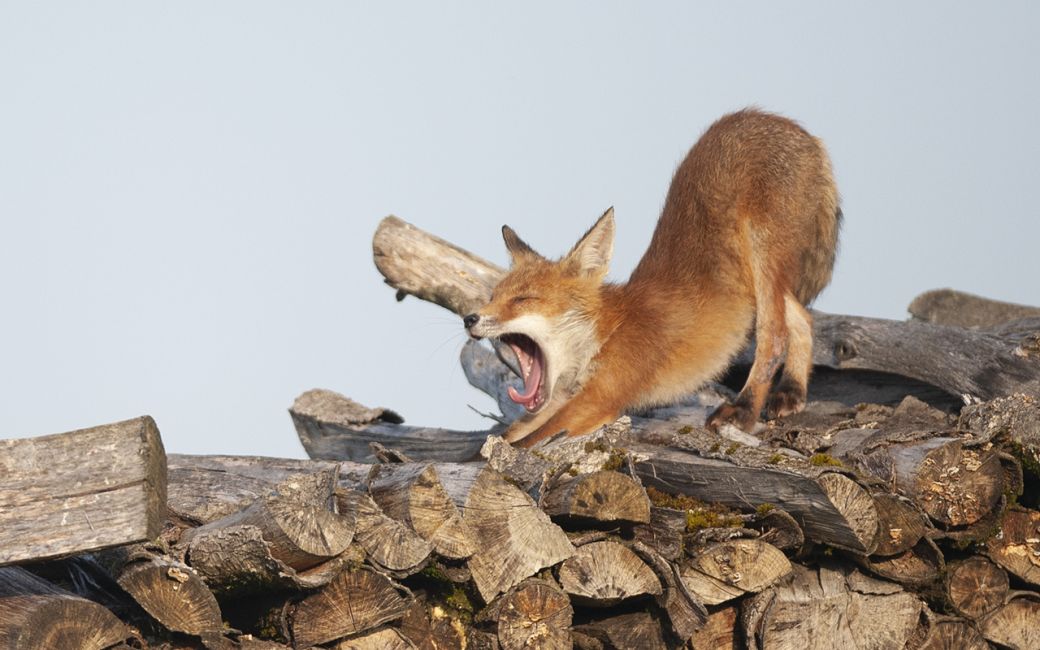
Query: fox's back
[{"x": 756, "y": 189}]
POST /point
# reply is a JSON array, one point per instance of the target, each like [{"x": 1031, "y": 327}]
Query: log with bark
[
  {"x": 637, "y": 630},
  {"x": 950, "y": 307},
  {"x": 81, "y": 491}
]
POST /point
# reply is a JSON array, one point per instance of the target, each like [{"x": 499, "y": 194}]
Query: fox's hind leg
[
  {"x": 771, "y": 334},
  {"x": 789, "y": 394}
]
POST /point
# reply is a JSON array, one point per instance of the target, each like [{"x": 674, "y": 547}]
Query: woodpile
[{"x": 899, "y": 510}]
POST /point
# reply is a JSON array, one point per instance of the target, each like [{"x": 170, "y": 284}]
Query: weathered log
[
  {"x": 720, "y": 632},
  {"x": 1014, "y": 625},
  {"x": 664, "y": 531},
  {"x": 636, "y": 631},
  {"x": 917, "y": 566},
  {"x": 205, "y": 488},
  {"x": 298, "y": 520},
  {"x": 334, "y": 427},
  {"x": 170, "y": 591},
  {"x": 35, "y": 615},
  {"x": 384, "y": 638},
  {"x": 535, "y": 614},
  {"x": 513, "y": 538},
  {"x": 388, "y": 543},
  {"x": 603, "y": 574},
  {"x": 975, "y": 587},
  {"x": 950, "y": 633},
  {"x": 429, "y": 627},
  {"x": 732, "y": 569},
  {"x": 604, "y": 496},
  {"x": 413, "y": 493},
  {"x": 114, "y": 493},
  {"x": 778, "y": 528},
  {"x": 1013, "y": 423},
  {"x": 901, "y": 523},
  {"x": 963, "y": 362},
  {"x": 831, "y": 508},
  {"x": 354, "y": 601},
  {"x": 951, "y": 307},
  {"x": 830, "y": 608},
  {"x": 1016, "y": 546}
]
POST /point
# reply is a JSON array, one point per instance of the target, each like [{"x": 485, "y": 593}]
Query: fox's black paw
[
  {"x": 786, "y": 399},
  {"x": 738, "y": 414}
]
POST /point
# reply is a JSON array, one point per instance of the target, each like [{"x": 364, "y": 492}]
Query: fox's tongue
[{"x": 531, "y": 365}]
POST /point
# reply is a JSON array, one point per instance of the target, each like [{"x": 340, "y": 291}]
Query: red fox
[{"x": 746, "y": 239}]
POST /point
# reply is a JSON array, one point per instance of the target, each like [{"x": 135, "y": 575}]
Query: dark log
[
  {"x": 916, "y": 567},
  {"x": 830, "y": 608},
  {"x": 388, "y": 543},
  {"x": 1014, "y": 625},
  {"x": 298, "y": 520},
  {"x": 951, "y": 633},
  {"x": 686, "y": 614},
  {"x": 603, "y": 496},
  {"x": 35, "y": 615},
  {"x": 729, "y": 570},
  {"x": 170, "y": 591},
  {"x": 428, "y": 627},
  {"x": 902, "y": 524},
  {"x": 1013, "y": 423},
  {"x": 114, "y": 493},
  {"x": 412, "y": 493},
  {"x": 354, "y": 601},
  {"x": 1016, "y": 546},
  {"x": 513, "y": 538},
  {"x": 720, "y": 632},
  {"x": 664, "y": 532},
  {"x": 384, "y": 638},
  {"x": 205, "y": 488},
  {"x": 976, "y": 587},
  {"x": 636, "y": 631},
  {"x": 969, "y": 363},
  {"x": 602, "y": 574},
  {"x": 779, "y": 529},
  {"x": 950, "y": 307},
  {"x": 333, "y": 427},
  {"x": 535, "y": 614}
]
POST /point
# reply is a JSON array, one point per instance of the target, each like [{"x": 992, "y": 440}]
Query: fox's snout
[{"x": 470, "y": 321}]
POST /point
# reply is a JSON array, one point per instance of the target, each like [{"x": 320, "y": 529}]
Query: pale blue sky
[{"x": 188, "y": 190}]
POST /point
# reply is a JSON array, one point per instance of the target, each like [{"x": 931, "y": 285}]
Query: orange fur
[{"x": 746, "y": 238}]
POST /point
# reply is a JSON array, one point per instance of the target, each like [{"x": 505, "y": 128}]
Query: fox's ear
[
  {"x": 518, "y": 248},
  {"x": 591, "y": 255}
]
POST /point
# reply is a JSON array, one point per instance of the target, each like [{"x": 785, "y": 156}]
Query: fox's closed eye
[{"x": 519, "y": 299}]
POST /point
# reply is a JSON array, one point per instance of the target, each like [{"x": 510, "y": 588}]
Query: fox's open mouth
[{"x": 532, "y": 371}]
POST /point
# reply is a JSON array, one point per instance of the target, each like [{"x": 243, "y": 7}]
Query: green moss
[
  {"x": 715, "y": 447},
  {"x": 572, "y": 470},
  {"x": 818, "y": 460},
  {"x": 458, "y": 600},
  {"x": 683, "y": 430},
  {"x": 764, "y": 508},
  {"x": 433, "y": 572},
  {"x": 775, "y": 459},
  {"x": 732, "y": 448},
  {"x": 616, "y": 460},
  {"x": 596, "y": 445},
  {"x": 698, "y": 513}
]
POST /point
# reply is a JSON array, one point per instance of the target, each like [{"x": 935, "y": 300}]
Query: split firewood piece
[
  {"x": 638, "y": 630},
  {"x": 830, "y": 608},
  {"x": 721, "y": 632},
  {"x": 685, "y": 613},
  {"x": 831, "y": 508},
  {"x": 664, "y": 532},
  {"x": 535, "y": 614},
  {"x": 354, "y": 601},
  {"x": 954, "y": 485},
  {"x": 35, "y": 615},
  {"x": 298, "y": 520},
  {"x": 1016, "y": 546},
  {"x": 205, "y": 488},
  {"x": 170, "y": 591},
  {"x": 951, "y": 633},
  {"x": 412, "y": 493},
  {"x": 963, "y": 362},
  {"x": 976, "y": 587},
  {"x": 334, "y": 427},
  {"x": 603, "y": 496},
  {"x": 919, "y": 565},
  {"x": 385, "y": 638},
  {"x": 731, "y": 569},
  {"x": 778, "y": 528},
  {"x": 901, "y": 523},
  {"x": 513, "y": 538},
  {"x": 1014, "y": 624},
  {"x": 430, "y": 627},
  {"x": 960, "y": 309},
  {"x": 114, "y": 493},
  {"x": 388, "y": 543},
  {"x": 603, "y": 574}
]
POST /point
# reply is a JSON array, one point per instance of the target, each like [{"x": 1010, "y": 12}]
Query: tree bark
[
  {"x": 950, "y": 307},
  {"x": 113, "y": 493}
]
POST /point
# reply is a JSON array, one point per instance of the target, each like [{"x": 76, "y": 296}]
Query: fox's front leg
[{"x": 584, "y": 413}]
